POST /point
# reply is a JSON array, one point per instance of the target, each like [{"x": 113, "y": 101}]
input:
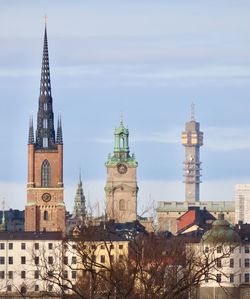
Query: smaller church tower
[
  {"x": 80, "y": 203},
  {"x": 121, "y": 187},
  {"x": 192, "y": 139}
]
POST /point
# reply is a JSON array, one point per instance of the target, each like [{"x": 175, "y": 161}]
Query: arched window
[
  {"x": 45, "y": 175},
  {"x": 45, "y": 123},
  {"x": 122, "y": 205},
  {"x": 122, "y": 141},
  {"x": 45, "y": 215}
]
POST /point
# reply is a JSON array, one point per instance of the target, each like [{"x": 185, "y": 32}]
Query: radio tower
[{"x": 192, "y": 139}]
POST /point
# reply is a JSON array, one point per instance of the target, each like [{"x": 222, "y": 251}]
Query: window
[
  {"x": 122, "y": 205},
  {"x": 50, "y": 260},
  {"x": 65, "y": 274},
  {"x": 239, "y": 278},
  {"x": 73, "y": 260},
  {"x": 45, "y": 123},
  {"x": 50, "y": 287},
  {"x": 45, "y": 174},
  {"x": 23, "y": 246},
  {"x": 111, "y": 258},
  {"x": 50, "y": 273},
  {"x": 2, "y": 260},
  {"x": 23, "y": 290},
  {"x": 23, "y": 260},
  {"x": 23, "y": 274},
  {"x": 246, "y": 249},
  {"x": 9, "y": 289},
  {"x": 45, "y": 215},
  {"x": 36, "y": 259},
  {"x": 218, "y": 262},
  {"x": 219, "y": 249},
  {"x": 45, "y": 141},
  {"x": 10, "y": 246},
  {"x": 65, "y": 246},
  {"x": 36, "y": 246},
  {"x": 93, "y": 258},
  {"x": 50, "y": 245},
  {"x": 120, "y": 246},
  {"x": 10, "y": 260},
  {"x": 239, "y": 263},
  {"x": 246, "y": 263},
  {"x": 74, "y": 246},
  {"x": 112, "y": 247},
  {"x": 232, "y": 249},
  {"x": 231, "y": 263},
  {"x": 36, "y": 274},
  {"x": 206, "y": 277},
  {"x": 246, "y": 277},
  {"x": 2, "y": 246},
  {"x": 36, "y": 288},
  {"x": 231, "y": 278},
  {"x": 102, "y": 258},
  {"x": 102, "y": 247},
  {"x": 1, "y": 274},
  {"x": 65, "y": 260},
  {"x": 93, "y": 247},
  {"x": 121, "y": 258},
  {"x": 218, "y": 278},
  {"x": 10, "y": 274},
  {"x": 45, "y": 106},
  {"x": 73, "y": 274}
]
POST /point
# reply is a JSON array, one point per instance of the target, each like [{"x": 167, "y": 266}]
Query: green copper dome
[{"x": 221, "y": 233}]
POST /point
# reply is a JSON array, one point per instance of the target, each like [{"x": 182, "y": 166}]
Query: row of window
[
  {"x": 36, "y": 260},
  {"x": 10, "y": 274},
  {"x": 231, "y": 263},
  {"x": 219, "y": 249},
  {"x": 103, "y": 246},
  {"x": 23, "y": 289},
  {"x": 232, "y": 278},
  {"x": 23, "y": 246}
]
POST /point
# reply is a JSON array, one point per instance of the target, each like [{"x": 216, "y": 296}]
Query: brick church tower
[
  {"x": 45, "y": 209},
  {"x": 121, "y": 187}
]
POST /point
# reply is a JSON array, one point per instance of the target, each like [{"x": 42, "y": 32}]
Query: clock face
[
  {"x": 46, "y": 197},
  {"x": 122, "y": 168}
]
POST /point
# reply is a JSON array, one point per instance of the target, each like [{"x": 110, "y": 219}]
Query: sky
[{"x": 148, "y": 60}]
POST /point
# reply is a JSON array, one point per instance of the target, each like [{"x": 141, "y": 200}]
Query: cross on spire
[{"x": 193, "y": 111}]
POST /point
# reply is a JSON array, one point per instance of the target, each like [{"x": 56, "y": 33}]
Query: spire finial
[
  {"x": 121, "y": 119},
  {"x": 192, "y": 111},
  {"x": 45, "y": 19}
]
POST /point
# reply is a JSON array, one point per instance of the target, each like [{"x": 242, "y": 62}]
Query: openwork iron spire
[
  {"x": 45, "y": 133},
  {"x": 31, "y": 131},
  {"x": 59, "y": 137}
]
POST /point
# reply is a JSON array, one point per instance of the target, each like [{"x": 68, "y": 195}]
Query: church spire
[
  {"x": 45, "y": 133},
  {"x": 80, "y": 205}
]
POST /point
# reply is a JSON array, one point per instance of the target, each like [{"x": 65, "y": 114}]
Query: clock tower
[
  {"x": 121, "y": 186},
  {"x": 45, "y": 209}
]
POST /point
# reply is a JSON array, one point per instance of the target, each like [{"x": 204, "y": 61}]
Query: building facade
[
  {"x": 242, "y": 203},
  {"x": 121, "y": 186},
  {"x": 45, "y": 209}
]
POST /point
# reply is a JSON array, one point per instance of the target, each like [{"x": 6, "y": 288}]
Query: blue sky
[{"x": 147, "y": 59}]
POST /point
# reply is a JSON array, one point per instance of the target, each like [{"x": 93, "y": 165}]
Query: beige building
[{"x": 168, "y": 212}]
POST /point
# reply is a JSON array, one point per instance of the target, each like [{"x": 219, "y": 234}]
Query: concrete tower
[
  {"x": 192, "y": 139},
  {"x": 121, "y": 186},
  {"x": 45, "y": 209}
]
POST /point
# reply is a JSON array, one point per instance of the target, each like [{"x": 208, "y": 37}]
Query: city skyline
[{"x": 151, "y": 74}]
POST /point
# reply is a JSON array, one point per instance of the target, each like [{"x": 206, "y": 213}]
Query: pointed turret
[
  {"x": 59, "y": 136},
  {"x": 31, "y": 131},
  {"x": 45, "y": 133},
  {"x": 79, "y": 207}
]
